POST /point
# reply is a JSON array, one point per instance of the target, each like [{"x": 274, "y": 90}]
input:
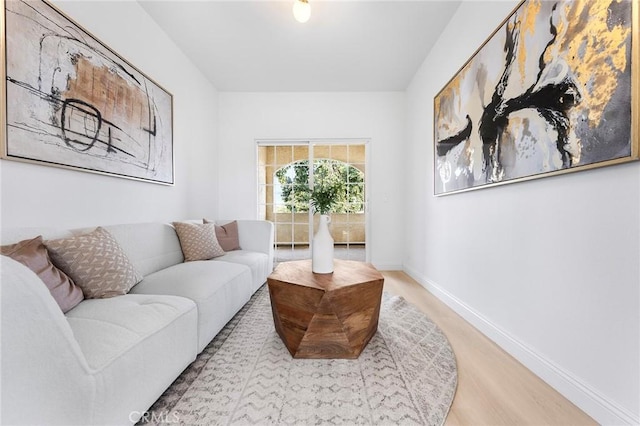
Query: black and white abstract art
[
  {"x": 73, "y": 102},
  {"x": 552, "y": 90}
]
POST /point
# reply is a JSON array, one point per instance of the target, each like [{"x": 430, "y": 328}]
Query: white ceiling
[{"x": 352, "y": 45}]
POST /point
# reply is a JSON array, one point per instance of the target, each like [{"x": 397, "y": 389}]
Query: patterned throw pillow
[
  {"x": 198, "y": 241},
  {"x": 33, "y": 254},
  {"x": 227, "y": 235},
  {"x": 96, "y": 263}
]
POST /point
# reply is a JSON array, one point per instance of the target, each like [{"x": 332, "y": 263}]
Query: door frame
[{"x": 310, "y": 142}]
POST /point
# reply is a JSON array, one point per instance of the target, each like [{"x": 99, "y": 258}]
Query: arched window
[{"x": 291, "y": 184}]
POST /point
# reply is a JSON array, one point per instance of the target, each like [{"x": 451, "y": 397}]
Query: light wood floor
[{"x": 493, "y": 388}]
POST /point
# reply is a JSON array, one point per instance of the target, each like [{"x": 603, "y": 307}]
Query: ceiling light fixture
[{"x": 301, "y": 10}]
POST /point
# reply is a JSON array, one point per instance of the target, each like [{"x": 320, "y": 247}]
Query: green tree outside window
[{"x": 346, "y": 182}]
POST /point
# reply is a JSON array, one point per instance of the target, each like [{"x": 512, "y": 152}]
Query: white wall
[
  {"x": 245, "y": 117},
  {"x": 35, "y": 195},
  {"x": 547, "y": 268}
]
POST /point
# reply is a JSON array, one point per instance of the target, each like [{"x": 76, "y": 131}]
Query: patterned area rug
[{"x": 406, "y": 375}]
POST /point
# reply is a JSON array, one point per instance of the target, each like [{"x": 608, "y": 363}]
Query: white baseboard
[{"x": 589, "y": 400}]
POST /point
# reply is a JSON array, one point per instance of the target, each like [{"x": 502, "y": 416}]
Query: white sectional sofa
[{"x": 107, "y": 360}]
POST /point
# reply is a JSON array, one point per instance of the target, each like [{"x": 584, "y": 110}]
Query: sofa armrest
[
  {"x": 256, "y": 235},
  {"x": 45, "y": 376}
]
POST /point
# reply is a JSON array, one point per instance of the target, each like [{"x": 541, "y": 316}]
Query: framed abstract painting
[
  {"x": 553, "y": 90},
  {"x": 71, "y": 101}
]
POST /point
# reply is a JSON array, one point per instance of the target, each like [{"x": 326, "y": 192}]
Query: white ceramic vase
[{"x": 322, "y": 248}]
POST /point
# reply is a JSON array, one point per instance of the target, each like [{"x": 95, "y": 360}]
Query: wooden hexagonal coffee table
[{"x": 325, "y": 315}]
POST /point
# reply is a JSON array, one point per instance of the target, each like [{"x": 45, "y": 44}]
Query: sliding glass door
[{"x": 286, "y": 170}]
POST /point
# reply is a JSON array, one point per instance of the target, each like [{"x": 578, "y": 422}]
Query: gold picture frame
[{"x": 554, "y": 89}]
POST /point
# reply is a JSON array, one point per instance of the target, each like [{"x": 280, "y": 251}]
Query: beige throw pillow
[
  {"x": 33, "y": 254},
  {"x": 227, "y": 235},
  {"x": 198, "y": 241},
  {"x": 96, "y": 263}
]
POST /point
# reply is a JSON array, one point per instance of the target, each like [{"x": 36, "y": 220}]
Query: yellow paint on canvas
[
  {"x": 604, "y": 52},
  {"x": 528, "y": 19}
]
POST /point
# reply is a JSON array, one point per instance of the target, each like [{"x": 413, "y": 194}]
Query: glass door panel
[{"x": 284, "y": 176}]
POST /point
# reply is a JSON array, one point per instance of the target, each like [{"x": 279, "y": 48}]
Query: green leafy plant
[
  {"x": 324, "y": 197},
  {"x": 327, "y": 189}
]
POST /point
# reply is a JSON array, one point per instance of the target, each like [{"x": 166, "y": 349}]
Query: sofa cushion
[
  {"x": 219, "y": 290},
  {"x": 227, "y": 235},
  {"x": 150, "y": 246},
  {"x": 198, "y": 241},
  {"x": 135, "y": 346},
  {"x": 59, "y": 369},
  {"x": 33, "y": 254},
  {"x": 96, "y": 262},
  {"x": 108, "y": 328},
  {"x": 256, "y": 261}
]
